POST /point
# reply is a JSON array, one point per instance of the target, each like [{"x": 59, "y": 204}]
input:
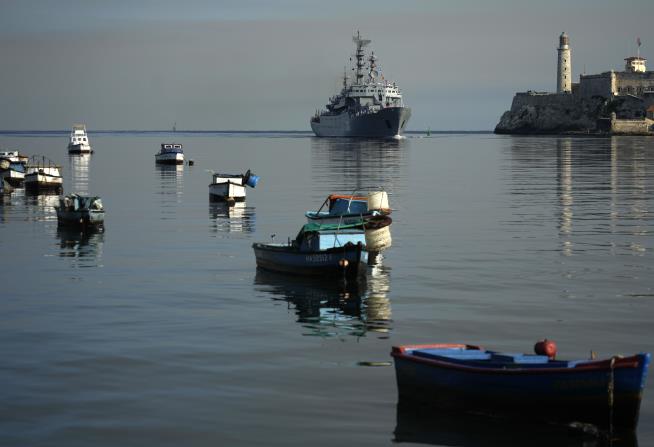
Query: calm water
[{"x": 160, "y": 331}]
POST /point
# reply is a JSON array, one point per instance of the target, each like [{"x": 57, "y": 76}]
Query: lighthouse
[{"x": 564, "y": 66}]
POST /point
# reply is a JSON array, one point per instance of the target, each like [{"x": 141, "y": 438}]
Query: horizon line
[{"x": 28, "y": 131}]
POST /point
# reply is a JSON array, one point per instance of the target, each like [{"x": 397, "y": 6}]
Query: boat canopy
[
  {"x": 76, "y": 202},
  {"x": 171, "y": 147}
]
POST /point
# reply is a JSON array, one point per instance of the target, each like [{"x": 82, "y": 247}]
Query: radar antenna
[{"x": 360, "y": 54}]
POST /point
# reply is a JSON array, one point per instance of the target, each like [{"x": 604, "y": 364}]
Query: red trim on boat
[{"x": 400, "y": 352}]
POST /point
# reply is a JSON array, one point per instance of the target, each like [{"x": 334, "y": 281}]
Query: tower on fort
[{"x": 564, "y": 66}]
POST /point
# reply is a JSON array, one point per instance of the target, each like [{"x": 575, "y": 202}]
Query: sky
[{"x": 268, "y": 65}]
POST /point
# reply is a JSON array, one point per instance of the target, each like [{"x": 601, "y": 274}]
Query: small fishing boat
[
  {"x": 230, "y": 188},
  {"x": 14, "y": 156},
  {"x": 338, "y": 208},
  {"x": 318, "y": 250},
  {"x": 170, "y": 153},
  {"x": 13, "y": 172},
  {"x": 79, "y": 140},
  {"x": 43, "y": 176},
  {"x": 605, "y": 393},
  {"x": 74, "y": 209}
]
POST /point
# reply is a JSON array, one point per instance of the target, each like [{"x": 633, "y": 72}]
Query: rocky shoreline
[{"x": 535, "y": 113}]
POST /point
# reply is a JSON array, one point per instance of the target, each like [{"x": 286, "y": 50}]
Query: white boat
[
  {"x": 74, "y": 209},
  {"x": 170, "y": 153},
  {"x": 79, "y": 140},
  {"x": 13, "y": 172},
  {"x": 230, "y": 188},
  {"x": 227, "y": 188},
  {"x": 43, "y": 175},
  {"x": 13, "y": 156}
]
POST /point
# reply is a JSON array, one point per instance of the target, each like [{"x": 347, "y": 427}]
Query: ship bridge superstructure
[{"x": 371, "y": 91}]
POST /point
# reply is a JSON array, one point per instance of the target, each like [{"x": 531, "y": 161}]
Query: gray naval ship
[{"x": 370, "y": 107}]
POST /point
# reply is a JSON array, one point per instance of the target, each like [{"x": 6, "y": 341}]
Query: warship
[{"x": 371, "y": 107}]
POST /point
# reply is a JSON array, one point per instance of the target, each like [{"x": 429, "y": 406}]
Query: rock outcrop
[{"x": 551, "y": 114}]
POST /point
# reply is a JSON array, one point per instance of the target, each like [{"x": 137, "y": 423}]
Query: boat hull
[
  {"x": 80, "y": 217},
  {"x": 226, "y": 192},
  {"x": 386, "y": 123},
  {"x": 169, "y": 158},
  {"x": 43, "y": 182},
  {"x": 572, "y": 394},
  {"x": 79, "y": 148},
  {"x": 287, "y": 259},
  {"x": 324, "y": 218},
  {"x": 14, "y": 178}
]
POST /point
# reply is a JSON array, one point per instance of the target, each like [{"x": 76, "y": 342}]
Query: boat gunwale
[
  {"x": 400, "y": 352},
  {"x": 295, "y": 250}
]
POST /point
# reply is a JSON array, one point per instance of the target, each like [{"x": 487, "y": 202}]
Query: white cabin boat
[
  {"x": 43, "y": 175},
  {"x": 230, "y": 188},
  {"x": 79, "y": 140},
  {"x": 14, "y": 157},
  {"x": 227, "y": 188},
  {"x": 13, "y": 172},
  {"x": 170, "y": 153}
]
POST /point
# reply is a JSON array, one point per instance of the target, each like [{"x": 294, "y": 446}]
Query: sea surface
[{"x": 159, "y": 331}]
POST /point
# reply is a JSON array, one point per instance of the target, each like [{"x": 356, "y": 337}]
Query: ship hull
[{"x": 387, "y": 123}]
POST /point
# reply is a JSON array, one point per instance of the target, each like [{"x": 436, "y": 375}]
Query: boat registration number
[{"x": 317, "y": 258}]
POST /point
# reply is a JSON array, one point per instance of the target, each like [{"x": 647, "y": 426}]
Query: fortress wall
[
  {"x": 557, "y": 100},
  {"x": 597, "y": 85},
  {"x": 634, "y": 83},
  {"x": 632, "y": 127}
]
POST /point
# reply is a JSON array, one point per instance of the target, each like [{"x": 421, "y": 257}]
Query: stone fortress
[{"x": 613, "y": 102}]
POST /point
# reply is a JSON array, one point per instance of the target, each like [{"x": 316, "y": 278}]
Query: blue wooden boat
[
  {"x": 346, "y": 209},
  {"x": 606, "y": 393},
  {"x": 318, "y": 250}
]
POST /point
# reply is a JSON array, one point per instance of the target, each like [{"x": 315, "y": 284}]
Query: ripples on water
[{"x": 160, "y": 330}]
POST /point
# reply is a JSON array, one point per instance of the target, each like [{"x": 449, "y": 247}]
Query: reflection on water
[
  {"x": 237, "y": 218},
  {"x": 417, "y": 424},
  {"x": 602, "y": 189},
  {"x": 172, "y": 177},
  {"x": 79, "y": 173},
  {"x": 171, "y": 180},
  {"x": 41, "y": 206},
  {"x": 84, "y": 247},
  {"x": 377, "y": 306},
  {"x": 329, "y": 308},
  {"x": 346, "y": 165}
]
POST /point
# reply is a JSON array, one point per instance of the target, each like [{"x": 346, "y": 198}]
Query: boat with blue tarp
[
  {"x": 318, "y": 250},
  {"x": 75, "y": 209},
  {"x": 605, "y": 393},
  {"x": 230, "y": 188}
]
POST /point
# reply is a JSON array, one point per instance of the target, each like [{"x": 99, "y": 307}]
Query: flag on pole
[{"x": 638, "y": 42}]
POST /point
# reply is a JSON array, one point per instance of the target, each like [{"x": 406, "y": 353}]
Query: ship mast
[
  {"x": 344, "y": 78},
  {"x": 359, "y": 55},
  {"x": 372, "y": 68}
]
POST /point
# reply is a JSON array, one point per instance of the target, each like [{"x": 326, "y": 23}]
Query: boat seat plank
[{"x": 519, "y": 358}]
